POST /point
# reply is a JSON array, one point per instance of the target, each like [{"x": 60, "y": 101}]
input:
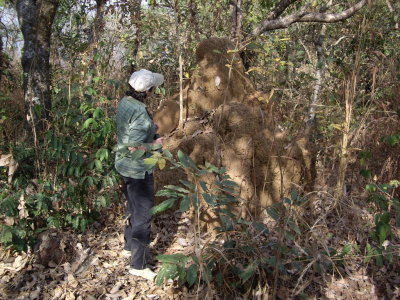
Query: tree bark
[
  {"x": 36, "y": 19},
  {"x": 135, "y": 9},
  {"x": 98, "y": 24}
]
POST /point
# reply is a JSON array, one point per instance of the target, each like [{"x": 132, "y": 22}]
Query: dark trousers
[{"x": 139, "y": 194}]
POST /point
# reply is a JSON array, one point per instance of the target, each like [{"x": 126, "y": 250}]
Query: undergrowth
[{"x": 244, "y": 255}]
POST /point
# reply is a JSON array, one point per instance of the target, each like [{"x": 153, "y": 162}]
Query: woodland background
[{"x": 323, "y": 73}]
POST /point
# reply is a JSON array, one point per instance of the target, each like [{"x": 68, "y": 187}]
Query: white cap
[{"x": 144, "y": 80}]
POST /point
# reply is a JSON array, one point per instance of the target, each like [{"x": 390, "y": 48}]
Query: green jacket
[{"x": 133, "y": 125}]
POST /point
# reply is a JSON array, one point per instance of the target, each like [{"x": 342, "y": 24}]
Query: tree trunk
[
  {"x": 236, "y": 19},
  {"x": 98, "y": 24},
  {"x": 193, "y": 21},
  {"x": 1, "y": 56},
  {"x": 36, "y": 19},
  {"x": 94, "y": 36},
  {"x": 135, "y": 8}
]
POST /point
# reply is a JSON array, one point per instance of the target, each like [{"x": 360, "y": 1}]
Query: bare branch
[
  {"x": 303, "y": 16},
  {"x": 279, "y": 9}
]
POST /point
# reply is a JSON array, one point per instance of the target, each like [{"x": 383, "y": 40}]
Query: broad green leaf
[
  {"x": 167, "y": 271},
  {"x": 138, "y": 154},
  {"x": 260, "y": 227},
  {"x": 167, "y": 153},
  {"x": 229, "y": 244},
  {"x": 101, "y": 201},
  {"x": 6, "y": 237},
  {"x": 163, "y": 206},
  {"x": 371, "y": 188},
  {"x": 379, "y": 260},
  {"x": 209, "y": 199},
  {"x": 185, "y": 203},
  {"x": 151, "y": 161},
  {"x": 294, "y": 195},
  {"x": 203, "y": 186},
  {"x": 97, "y": 112},
  {"x": 161, "y": 163},
  {"x": 167, "y": 193},
  {"x": 188, "y": 184},
  {"x": 101, "y": 154},
  {"x": 252, "y": 46},
  {"x": 294, "y": 226},
  {"x": 227, "y": 222},
  {"x": 98, "y": 164},
  {"x": 88, "y": 122},
  {"x": 191, "y": 275},
  {"x": 366, "y": 173},
  {"x": 229, "y": 183},
  {"x": 383, "y": 230},
  {"x": 346, "y": 250},
  {"x": 211, "y": 167},
  {"x": 155, "y": 147},
  {"x": 273, "y": 213},
  {"x": 195, "y": 200},
  {"x": 91, "y": 91},
  {"x": 172, "y": 258},
  {"x": 183, "y": 159},
  {"x": 177, "y": 188}
]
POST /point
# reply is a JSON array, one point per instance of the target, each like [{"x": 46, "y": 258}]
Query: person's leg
[
  {"x": 128, "y": 215},
  {"x": 141, "y": 198}
]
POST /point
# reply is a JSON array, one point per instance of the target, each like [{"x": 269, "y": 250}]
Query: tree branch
[
  {"x": 279, "y": 9},
  {"x": 303, "y": 16}
]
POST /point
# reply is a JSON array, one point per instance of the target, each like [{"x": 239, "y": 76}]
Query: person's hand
[
  {"x": 160, "y": 141},
  {"x": 133, "y": 149}
]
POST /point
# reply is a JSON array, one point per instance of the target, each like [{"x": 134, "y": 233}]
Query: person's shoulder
[
  {"x": 133, "y": 101},
  {"x": 130, "y": 105}
]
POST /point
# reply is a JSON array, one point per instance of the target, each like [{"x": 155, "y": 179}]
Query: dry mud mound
[{"x": 227, "y": 125}]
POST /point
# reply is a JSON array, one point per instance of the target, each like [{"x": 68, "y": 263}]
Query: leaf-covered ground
[{"x": 100, "y": 271}]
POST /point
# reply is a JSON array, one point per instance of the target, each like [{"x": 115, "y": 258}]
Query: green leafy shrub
[
  {"x": 241, "y": 252},
  {"x": 66, "y": 181},
  {"x": 387, "y": 217}
]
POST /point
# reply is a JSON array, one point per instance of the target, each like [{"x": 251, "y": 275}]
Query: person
[{"x": 134, "y": 125}]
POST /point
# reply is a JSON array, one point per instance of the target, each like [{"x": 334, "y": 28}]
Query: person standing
[{"x": 135, "y": 126}]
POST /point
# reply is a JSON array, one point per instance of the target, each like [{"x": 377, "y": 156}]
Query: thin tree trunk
[
  {"x": 180, "y": 91},
  {"x": 350, "y": 92},
  {"x": 94, "y": 37},
  {"x": 319, "y": 76},
  {"x": 1, "y": 56},
  {"x": 236, "y": 19},
  {"x": 98, "y": 23},
  {"x": 36, "y": 19},
  {"x": 193, "y": 20},
  {"x": 180, "y": 59},
  {"x": 135, "y": 10}
]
